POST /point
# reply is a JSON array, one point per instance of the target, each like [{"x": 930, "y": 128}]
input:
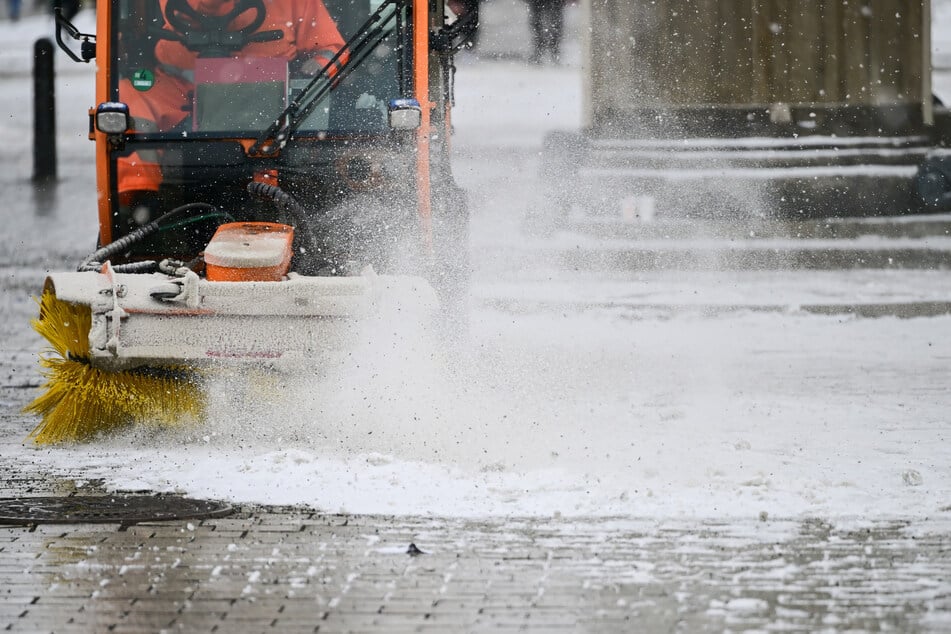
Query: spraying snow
[{"x": 574, "y": 394}]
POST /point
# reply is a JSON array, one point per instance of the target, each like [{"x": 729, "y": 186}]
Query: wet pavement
[
  {"x": 295, "y": 570},
  {"x": 298, "y": 568}
]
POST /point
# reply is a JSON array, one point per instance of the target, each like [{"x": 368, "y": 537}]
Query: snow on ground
[
  {"x": 580, "y": 410},
  {"x": 584, "y": 415}
]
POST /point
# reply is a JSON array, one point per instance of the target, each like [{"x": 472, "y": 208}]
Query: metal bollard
[{"x": 44, "y": 112}]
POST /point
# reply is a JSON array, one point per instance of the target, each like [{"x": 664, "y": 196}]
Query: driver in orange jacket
[{"x": 310, "y": 40}]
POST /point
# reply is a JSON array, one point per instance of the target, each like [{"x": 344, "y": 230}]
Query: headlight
[
  {"x": 404, "y": 114},
  {"x": 112, "y": 117}
]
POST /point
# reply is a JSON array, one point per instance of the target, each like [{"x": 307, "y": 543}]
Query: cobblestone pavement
[{"x": 296, "y": 570}]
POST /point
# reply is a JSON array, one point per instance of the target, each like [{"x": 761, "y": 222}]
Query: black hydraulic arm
[{"x": 347, "y": 59}]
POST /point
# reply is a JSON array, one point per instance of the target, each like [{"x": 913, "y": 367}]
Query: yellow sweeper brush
[{"x": 81, "y": 400}]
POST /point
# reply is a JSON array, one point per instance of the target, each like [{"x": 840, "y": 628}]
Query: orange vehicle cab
[{"x": 331, "y": 117}]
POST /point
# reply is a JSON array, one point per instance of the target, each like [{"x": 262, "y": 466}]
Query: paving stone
[{"x": 265, "y": 571}]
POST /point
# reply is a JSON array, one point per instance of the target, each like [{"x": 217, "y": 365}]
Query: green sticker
[{"x": 143, "y": 79}]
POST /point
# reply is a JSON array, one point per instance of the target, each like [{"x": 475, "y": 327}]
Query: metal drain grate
[{"x": 107, "y": 509}]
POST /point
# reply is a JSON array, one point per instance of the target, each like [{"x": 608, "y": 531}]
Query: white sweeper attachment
[{"x": 132, "y": 346}]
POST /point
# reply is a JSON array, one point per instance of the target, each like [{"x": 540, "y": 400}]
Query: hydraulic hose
[
  {"x": 311, "y": 227},
  {"x": 281, "y": 199},
  {"x": 93, "y": 262}
]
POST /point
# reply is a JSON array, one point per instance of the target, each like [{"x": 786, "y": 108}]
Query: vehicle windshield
[{"x": 213, "y": 68}]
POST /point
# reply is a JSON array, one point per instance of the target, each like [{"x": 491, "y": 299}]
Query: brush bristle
[{"x": 81, "y": 401}]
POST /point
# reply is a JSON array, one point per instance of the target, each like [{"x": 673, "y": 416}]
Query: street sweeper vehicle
[{"x": 269, "y": 172}]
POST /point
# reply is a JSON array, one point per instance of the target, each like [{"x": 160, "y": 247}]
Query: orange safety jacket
[
  {"x": 308, "y": 30},
  {"x": 307, "y": 26}
]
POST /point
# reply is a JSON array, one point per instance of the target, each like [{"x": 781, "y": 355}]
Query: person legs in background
[
  {"x": 547, "y": 20},
  {"x": 13, "y": 9}
]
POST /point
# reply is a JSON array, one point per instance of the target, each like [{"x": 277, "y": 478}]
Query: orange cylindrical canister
[{"x": 249, "y": 252}]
